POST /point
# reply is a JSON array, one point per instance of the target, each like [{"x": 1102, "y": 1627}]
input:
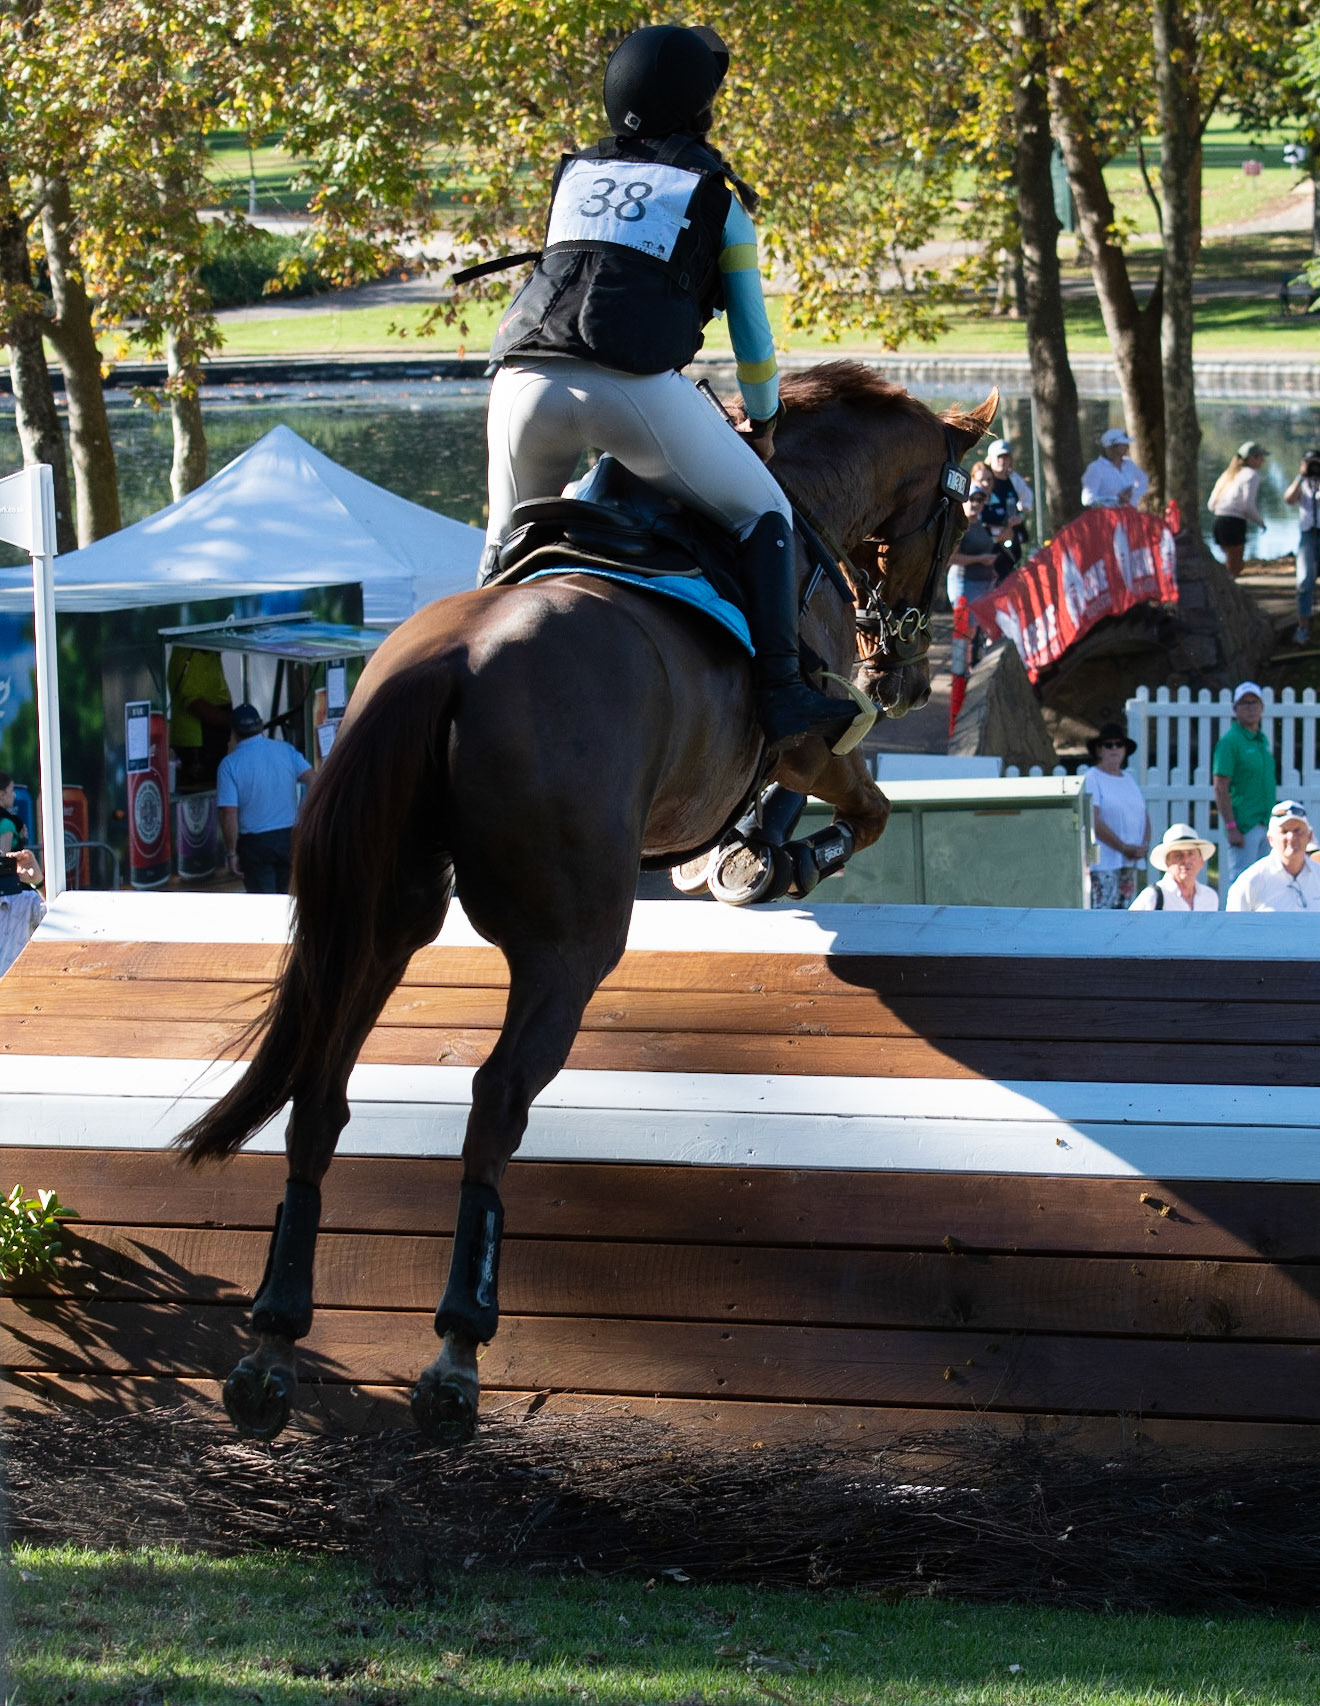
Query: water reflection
[{"x": 424, "y": 439}]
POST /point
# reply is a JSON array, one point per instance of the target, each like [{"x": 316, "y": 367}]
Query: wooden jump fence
[{"x": 844, "y": 1171}]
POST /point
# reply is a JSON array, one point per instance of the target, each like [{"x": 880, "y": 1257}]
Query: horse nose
[{"x": 918, "y": 697}]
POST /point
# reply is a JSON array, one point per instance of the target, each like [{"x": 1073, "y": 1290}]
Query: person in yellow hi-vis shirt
[{"x": 201, "y": 715}]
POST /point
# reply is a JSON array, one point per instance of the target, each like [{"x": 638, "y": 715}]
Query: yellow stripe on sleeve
[
  {"x": 757, "y": 372},
  {"x": 738, "y": 257}
]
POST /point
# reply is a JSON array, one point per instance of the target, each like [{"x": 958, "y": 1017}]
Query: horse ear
[{"x": 972, "y": 428}]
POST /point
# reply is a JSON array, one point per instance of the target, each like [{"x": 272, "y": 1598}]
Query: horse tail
[{"x": 372, "y": 882}]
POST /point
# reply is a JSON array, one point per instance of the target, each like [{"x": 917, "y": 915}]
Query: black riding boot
[{"x": 785, "y": 705}]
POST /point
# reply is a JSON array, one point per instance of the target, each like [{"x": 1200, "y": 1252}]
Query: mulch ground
[{"x": 968, "y": 1515}]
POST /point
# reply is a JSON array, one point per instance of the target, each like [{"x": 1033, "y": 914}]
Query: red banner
[{"x": 1103, "y": 563}]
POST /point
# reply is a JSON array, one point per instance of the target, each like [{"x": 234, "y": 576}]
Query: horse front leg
[
  {"x": 258, "y": 1394},
  {"x": 861, "y": 812},
  {"x": 549, "y": 989}
]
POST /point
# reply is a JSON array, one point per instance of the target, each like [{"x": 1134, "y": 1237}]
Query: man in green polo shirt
[{"x": 1243, "y": 770}]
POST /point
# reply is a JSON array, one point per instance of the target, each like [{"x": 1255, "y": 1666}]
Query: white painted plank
[
  {"x": 695, "y": 927},
  {"x": 1075, "y": 1130},
  {"x": 1199, "y": 1106}
]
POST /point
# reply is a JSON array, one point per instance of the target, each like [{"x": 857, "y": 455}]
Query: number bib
[{"x": 635, "y": 204}]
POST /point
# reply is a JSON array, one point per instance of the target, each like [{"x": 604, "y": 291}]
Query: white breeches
[{"x": 544, "y": 413}]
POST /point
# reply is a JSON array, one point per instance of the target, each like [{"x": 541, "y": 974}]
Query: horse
[{"x": 530, "y": 746}]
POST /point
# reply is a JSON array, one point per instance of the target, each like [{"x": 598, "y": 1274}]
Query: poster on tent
[
  {"x": 146, "y": 764},
  {"x": 1103, "y": 563}
]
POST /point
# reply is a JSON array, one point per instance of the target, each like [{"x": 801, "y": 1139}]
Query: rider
[{"x": 646, "y": 241}]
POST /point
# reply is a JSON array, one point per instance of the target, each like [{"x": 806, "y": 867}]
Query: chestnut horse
[{"x": 529, "y": 746}]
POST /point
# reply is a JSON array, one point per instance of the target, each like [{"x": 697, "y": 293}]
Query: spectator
[
  {"x": 1285, "y": 880},
  {"x": 200, "y": 715},
  {"x": 1113, "y": 479},
  {"x": 21, "y": 907},
  {"x": 1233, "y": 503},
  {"x": 1181, "y": 855},
  {"x": 1242, "y": 769},
  {"x": 1305, "y": 493},
  {"x": 1010, "y": 501},
  {"x": 257, "y": 797},
  {"x": 1119, "y": 818},
  {"x": 974, "y": 565}
]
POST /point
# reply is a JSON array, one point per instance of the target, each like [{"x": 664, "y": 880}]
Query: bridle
[{"x": 902, "y": 633}]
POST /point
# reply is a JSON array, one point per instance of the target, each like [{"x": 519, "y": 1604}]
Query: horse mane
[{"x": 829, "y": 463}]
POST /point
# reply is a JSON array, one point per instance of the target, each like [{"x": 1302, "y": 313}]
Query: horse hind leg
[
  {"x": 259, "y": 1393},
  {"x": 549, "y": 989}
]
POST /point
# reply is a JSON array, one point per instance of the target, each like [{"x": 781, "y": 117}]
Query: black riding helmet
[{"x": 662, "y": 78}]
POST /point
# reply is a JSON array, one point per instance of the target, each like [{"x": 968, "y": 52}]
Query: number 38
[{"x": 628, "y": 204}]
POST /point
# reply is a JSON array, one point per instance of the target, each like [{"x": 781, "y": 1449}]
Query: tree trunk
[
  {"x": 1182, "y": 430},
  {"x": 1053, "y": 388},
  {"x": 189, "y": 469},
  {"x": 36, "y": 416},
  {"x": 1134, "y": 331},
  {"x": 74, "y": 338}
]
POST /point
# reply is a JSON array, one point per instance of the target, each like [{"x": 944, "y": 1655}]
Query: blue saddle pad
[{"x": 691, "y": 590}]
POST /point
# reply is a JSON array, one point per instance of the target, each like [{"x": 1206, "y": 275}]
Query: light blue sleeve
[
  {"x": 226, "y": 790},
  {"x": 749, "y": 328}
]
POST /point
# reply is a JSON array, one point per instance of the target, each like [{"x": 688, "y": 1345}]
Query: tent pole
[{"x": 48, "y": 682}]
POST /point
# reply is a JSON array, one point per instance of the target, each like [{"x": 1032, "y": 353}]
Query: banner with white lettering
[{"x": 1103, "y": 563}]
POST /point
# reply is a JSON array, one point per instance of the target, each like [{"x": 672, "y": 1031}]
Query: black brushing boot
[{"x": 786, "y": 706}]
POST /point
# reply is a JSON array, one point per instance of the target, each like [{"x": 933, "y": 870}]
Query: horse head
[{"x": 879, "y": 471}]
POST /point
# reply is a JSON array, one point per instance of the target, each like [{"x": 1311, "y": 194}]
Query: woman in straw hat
[{"x": 1181, "y": 855}]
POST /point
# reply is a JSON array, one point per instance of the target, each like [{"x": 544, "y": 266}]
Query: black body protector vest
[{"x": 629, "y": 275}]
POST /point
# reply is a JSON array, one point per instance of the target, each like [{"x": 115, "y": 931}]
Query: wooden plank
[
  {"x": 809, "y": 1056},
  {"x": 1157, "y": 1298},
  {"x": 331, "y": 1408},
  {"x": 1228, "y": 1380},
  {"x": 1217, "y": 1219},
  {"x": 774, "y": 1013},
  {"x": 899, "y": 976}
]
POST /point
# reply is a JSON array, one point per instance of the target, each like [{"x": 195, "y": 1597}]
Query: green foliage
[
  {"x": 243, "y": 264},
  {"x": 29, "y": 1227}
]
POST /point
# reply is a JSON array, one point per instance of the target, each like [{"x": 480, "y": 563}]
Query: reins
[{"x": 903, "y": 633}]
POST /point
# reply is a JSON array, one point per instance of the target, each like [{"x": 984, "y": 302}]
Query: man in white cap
[
  {"x": 1181, "y": 855},
  {"x": 1113, "y": 479},
  {"x": 1285, "y": 880},
  {"x": 1242, "y": 769}
]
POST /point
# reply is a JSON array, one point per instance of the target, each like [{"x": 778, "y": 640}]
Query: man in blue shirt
[{"x": 257, "y": 797}]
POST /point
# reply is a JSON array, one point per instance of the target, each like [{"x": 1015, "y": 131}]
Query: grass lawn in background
[
  {"x": 106, "y": 1628},
  {"x": 1228, "y": 327}
]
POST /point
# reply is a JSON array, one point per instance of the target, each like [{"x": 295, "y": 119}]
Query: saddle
[{"x": 613, "y": 520}]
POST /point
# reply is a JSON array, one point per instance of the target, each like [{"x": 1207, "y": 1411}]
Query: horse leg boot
[
  {"x": 259, "y": 1393},
  {"x": 444, "y": 1400},
  {"x": 786, "y": 707}
]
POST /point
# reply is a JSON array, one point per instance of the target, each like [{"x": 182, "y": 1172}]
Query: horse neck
[{"x": 853, "y": 468}]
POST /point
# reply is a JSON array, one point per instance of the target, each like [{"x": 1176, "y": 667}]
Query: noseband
[{"x": 902, "y": 632}]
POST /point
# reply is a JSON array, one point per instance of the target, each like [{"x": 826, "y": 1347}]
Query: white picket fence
[{"x": 1176, "y": 735}]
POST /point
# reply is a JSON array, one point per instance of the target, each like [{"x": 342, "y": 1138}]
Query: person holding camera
[
  {"x": 21, "y": 907},
  {"x": 1305, "y": 493}
]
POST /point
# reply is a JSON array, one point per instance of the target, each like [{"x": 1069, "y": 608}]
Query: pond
[{"x": 424, "y": 439}]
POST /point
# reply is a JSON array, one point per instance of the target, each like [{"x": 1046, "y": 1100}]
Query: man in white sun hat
[
  {"x": 1113, "y": 479},
  {"x": 1285, "y": 880},
  {"x": 1181, "y": 855}
]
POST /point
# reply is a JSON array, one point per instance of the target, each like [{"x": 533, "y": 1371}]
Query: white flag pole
[{"x": 27, "y": 518}]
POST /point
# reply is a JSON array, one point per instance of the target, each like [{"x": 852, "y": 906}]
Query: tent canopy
[{"x": 280, "y": 517}]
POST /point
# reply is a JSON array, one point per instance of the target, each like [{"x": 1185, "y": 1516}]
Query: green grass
[
  {"x": 161, "y": 1628},
  {"x": 1226, "y": 326}
]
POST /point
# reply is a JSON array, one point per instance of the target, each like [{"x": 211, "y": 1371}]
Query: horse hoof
[
  {"x": 746, "y": 873},
  {"x": 258, "y": 1400},
  {"x": 690, "y": 877},
  {"x": 445, "y": 1409}
]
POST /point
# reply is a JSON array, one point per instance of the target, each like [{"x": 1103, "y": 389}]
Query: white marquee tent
[{"x": 279, "y": 517}]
